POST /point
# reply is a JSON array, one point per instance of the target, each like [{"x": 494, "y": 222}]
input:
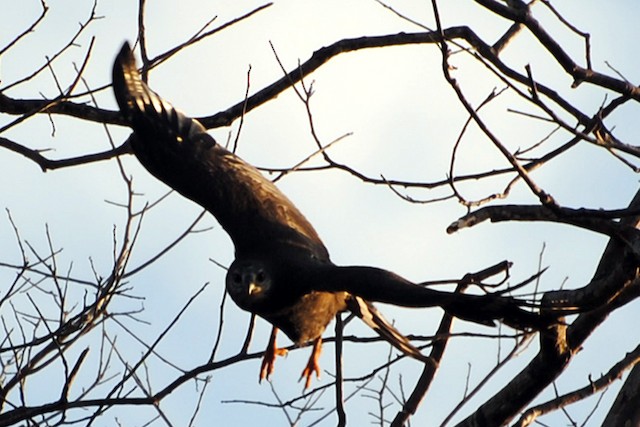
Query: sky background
[{"x": 403, "y": 120}]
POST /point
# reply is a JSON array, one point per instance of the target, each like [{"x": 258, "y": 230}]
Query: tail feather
[{"x": 374, "y": 319}]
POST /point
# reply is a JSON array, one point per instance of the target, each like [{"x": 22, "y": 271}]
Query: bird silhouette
[{"x": 282, "y": 270}]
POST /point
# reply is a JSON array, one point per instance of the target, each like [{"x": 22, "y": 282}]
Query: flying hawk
[{"x": 282, "y": 270}]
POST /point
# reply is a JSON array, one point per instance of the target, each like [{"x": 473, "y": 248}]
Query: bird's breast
[{"x": 306, "y": 319}]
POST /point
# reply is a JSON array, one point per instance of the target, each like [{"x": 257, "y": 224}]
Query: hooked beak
[{"x": 254, "y": 289}]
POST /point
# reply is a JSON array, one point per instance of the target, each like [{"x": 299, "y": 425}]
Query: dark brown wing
[
  {"x": 378, "y": 285},
  {"x": 176, "y": 149}
]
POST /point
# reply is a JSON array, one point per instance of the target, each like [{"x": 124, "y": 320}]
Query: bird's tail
[{"x": 374, "y": 319}]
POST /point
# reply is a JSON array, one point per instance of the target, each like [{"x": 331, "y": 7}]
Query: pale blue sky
[{"x": 404, "y": 120}]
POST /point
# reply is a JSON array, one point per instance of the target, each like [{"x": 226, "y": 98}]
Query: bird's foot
[
  {"x": 313, "y": 364},
  {"x": 269, "y": 362},
  {"x": 270, "y": 355}
]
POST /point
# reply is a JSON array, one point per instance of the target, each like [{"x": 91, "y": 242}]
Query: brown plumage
[{"x": 282, "y": 270}]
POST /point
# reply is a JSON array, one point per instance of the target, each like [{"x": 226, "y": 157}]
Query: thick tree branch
[
  {"x": 616, "y": 371},
  {"x": 65, "y": 107},
  {"x": 47, "y": 164},
  {"x": 617, "y": 273},
  {"x": 324, "y": 54},
  {"x": 600, "y": 221},
  {"x": 579, "y": 74},
  {"x": 625, "y": 411}
]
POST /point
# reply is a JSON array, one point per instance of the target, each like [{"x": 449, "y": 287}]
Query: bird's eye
[{"x": 260, "y": 277}]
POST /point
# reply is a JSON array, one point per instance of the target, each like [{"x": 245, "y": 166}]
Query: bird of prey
[{"x": 282, "y": 270}]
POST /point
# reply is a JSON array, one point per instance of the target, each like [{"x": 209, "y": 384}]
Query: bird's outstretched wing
[
  {"x": 176, "y": 149},
  {"x": 378, "y": 285}
]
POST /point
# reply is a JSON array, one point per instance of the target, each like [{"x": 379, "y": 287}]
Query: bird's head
[{"x": 249, "y": 283}]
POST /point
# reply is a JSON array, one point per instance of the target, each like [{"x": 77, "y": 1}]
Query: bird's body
[
  {"x": 282, "y": 271},
  {"x": 306, "y": 320}
]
